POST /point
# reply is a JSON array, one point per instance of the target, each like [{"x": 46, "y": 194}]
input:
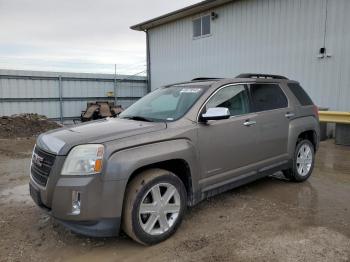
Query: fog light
[{"x": 75, "y": 202}]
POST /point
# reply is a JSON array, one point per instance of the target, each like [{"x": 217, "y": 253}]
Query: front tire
[
  {"x": 303, "y": 162},
  {"x": 154, "y": 206}
]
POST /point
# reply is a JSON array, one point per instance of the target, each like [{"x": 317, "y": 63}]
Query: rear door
[{"x": 271, "y": 106}]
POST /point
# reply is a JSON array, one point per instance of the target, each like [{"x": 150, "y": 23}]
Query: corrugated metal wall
[
  {"x": 38, "y": 92},
  {"x": 263, "y": 36}
]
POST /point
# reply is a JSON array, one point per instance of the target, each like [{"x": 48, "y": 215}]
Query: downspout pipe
[{"x": 148, "y": 57}]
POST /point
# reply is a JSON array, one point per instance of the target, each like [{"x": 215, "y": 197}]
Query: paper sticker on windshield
[{"x": 190, "y": 90}]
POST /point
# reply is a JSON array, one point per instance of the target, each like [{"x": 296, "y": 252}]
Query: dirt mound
[{"x": 25, "y": 125}]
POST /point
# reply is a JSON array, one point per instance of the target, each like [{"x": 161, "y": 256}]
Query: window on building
[
  {"x": 267, "y": 97},
  {"x": 197, "y": 27},
  {"x": 201, "y": 26}
]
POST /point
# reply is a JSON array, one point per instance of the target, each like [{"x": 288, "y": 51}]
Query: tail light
[{"x": 315, "y": 110}]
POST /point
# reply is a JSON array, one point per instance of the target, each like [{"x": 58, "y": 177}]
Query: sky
[{"x": 77, "y": 35}]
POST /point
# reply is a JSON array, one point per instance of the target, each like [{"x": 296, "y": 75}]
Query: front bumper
[
  {"x": 101, "y": 202},
  {"x": 107, "y": 227}
]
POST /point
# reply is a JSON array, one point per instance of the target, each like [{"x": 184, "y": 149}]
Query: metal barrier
[
  {"x": 334, "y": 117},
  {"x": 342, "y": 125}
]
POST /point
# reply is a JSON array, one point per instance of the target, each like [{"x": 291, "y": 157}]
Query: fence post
[{"x": 60, "y": 92}]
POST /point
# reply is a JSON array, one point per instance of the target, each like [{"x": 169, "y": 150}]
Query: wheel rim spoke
[
  {"x": 157, "y": 198},
  {"x": 171, "y": 208},
  {"x": 168, "y": 194},
  {"x": 307, "y": 151},
  {"x": 304, "y": 169},
  {"x": 148, "y": 208},
  {"x": 152, "y": 220},
  {"x": 163, "y": 222}
]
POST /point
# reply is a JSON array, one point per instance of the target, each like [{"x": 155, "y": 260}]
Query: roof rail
[
  {"x": 205, "y": 78},
  {"x": 249, "y": 75}
]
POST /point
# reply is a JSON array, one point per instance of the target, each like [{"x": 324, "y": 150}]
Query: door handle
[
  {"x": 289, "y": 114},
  {"x": 249, "y": 123}
]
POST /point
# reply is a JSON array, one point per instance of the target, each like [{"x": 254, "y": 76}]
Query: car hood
[{"x": 60, "y": 141}]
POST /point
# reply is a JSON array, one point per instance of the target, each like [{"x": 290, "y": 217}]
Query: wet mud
[{"x": 268, "y": 220}]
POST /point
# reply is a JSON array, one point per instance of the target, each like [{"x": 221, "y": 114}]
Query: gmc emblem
[{"x": 38, "y": 160}]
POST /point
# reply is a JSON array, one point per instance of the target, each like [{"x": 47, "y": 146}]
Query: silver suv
[{"x": 176, "y": 146}]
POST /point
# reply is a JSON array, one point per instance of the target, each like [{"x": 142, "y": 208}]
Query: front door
[{"x": 228, "y": 147}]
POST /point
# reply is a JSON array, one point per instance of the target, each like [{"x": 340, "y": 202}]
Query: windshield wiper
[{"x": 138, "y": 118}]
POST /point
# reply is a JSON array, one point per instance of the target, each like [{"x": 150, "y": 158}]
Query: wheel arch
[
  {"x": 177, "y": 156},
  {"x": 308, "y": 135},
  {"x": 179, "y": 167},
  {"x": 303, "y": 128}
]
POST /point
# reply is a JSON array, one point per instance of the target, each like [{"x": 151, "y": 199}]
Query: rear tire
[
  {"x": 154, "y": 205},
  {"x": 303, "y": 162}
]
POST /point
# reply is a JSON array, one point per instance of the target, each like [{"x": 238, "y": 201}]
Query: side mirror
[{"x": 217, "y": 113}]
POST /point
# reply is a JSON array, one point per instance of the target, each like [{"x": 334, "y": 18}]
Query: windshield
[{"x": 164, "y": 104}]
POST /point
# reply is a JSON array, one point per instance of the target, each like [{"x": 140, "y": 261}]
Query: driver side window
[{"x": 234, "y": 97}]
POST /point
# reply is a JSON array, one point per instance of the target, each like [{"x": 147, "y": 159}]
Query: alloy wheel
[
  {"x": 159, "y": 209},
  {"x": 304, "y": 160}
]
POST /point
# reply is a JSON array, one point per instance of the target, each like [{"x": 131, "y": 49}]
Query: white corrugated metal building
[
  {"x": 63, "y": 96},
  {"x": 305, "y": 40}
]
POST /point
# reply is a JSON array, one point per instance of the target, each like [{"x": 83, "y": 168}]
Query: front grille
[{"x": 42, "y": 163}]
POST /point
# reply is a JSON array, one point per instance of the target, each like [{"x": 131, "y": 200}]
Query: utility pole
[
  {"x": 60, "y": 93},
  {"x": 115, "y": 84}
]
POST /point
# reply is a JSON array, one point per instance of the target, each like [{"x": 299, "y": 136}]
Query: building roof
[{"x": 178, "y": 14}]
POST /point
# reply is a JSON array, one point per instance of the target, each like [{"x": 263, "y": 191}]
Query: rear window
[
  {"x": 267, "y": 97},
  {"x": 300, "y": 94}
]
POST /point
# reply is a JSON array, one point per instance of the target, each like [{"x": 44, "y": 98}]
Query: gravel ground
[{"x": 269, "y": 220}]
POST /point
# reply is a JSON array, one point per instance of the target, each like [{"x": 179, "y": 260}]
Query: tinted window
[
  {"x": 300, "y": 94},
  {"x": 235, "y": 98},
  {"x": 267, "y": 97}
]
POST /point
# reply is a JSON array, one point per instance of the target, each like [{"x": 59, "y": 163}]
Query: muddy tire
[
  {"x": 303, "y": 162},
  {"x": 154, "y": 205}
]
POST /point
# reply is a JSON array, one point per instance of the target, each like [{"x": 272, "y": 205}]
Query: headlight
[{"x": 84, "y": 160}]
